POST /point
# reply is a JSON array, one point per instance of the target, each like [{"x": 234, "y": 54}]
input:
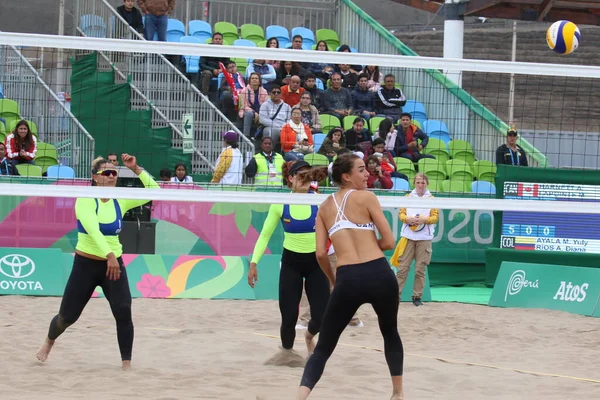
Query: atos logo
[{"x": 16, "y": 266}]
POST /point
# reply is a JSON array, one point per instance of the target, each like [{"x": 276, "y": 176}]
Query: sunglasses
[
  {"x": 107, "y": 172},
  {"x": 276, "y": 92}
]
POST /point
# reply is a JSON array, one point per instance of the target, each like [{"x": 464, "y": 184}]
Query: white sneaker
[
  {"x": 300, "y": 326},
  {"x": 359, "y": 325}
]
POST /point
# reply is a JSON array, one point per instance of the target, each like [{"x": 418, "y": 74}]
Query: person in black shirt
[
  {"x": 511, "y": 153},
  {"x": 132, "y": 15}
]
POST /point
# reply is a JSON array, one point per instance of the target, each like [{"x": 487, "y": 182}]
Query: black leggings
[
  {"x": 371, "y": 282},
  {"x": 85, "y": 276},
  {"x": 295, "y": 267}
]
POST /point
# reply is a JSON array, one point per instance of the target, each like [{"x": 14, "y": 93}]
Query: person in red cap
[{"x": 230, "y": 164}]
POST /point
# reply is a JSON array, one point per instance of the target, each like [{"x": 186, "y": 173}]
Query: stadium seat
[
  {"x": 400, "y": 184},
  {"x": 318, "y": 139},
  {"x": 374, "y": 124},
  {"x": 200, "y": 29},
  {"x": 455, "y": 186},
  {"x": 319, "y": 84},
  {"x": 175, "y": 30},
  {"x": 416, "y": 109},
  {"x": 406, "y": 167},
  {"x": 435, "y": 185},
  {"x": 192, "y": 63},
  {"x": 462, "y": 150},
  {"x": 459, "y": 170},
  {"x": 484, "y": 170},
  {"x": 279, "y": 32},
  {"x": 60, "y": 172},
  {"x": 417, "y": 124},
  {"x": 9, "y": 110},
  {"x": 434, "y": 169},
  {"x": 244, "y": 43},
  {"x": 46, "y": 156},
  {"x": 252, "y": 32},
  {"x": 483, "y": 187},
  {"x": 308, "y": 37},
  {"x": 437, "y": 148},
  {"x": 316, "y": 159},
  {"x": 328, "y": 122},
  {"x": 1, "y": 92},
  {"x": 242, "y": 64},
  {"x": 29, "y": 170},
  {"x": 349, "y": 120},
  {"x": 92, "y": 25},
  {"x": 329, "y": 36},
  {"x": 437, "y": 129},
  {"x": 228, "y": 30}
]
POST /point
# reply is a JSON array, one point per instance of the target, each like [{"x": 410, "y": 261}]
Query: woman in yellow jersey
[
  {"x": 98, "y": 259},
  {"x": 298, "y": 261}
]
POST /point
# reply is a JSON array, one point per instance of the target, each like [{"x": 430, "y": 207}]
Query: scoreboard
[{"x": 543, "y": 231}]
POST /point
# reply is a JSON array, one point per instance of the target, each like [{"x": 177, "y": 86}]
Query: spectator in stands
[
  {"x": 310, "y": 114},
  {"x": 251, "y": 98},
  {"x": 322, "y": 70},
  {"x": 266, "y": 71},
  {"x": 297, "y": 42},
  {"x": 21, "y": 145},
  {"x": 390, "y": 99},
  {"x": 346, "y": 49},
  {"x": 157, "y": 17},
  {"x": 273, "y": 43},
  {"x": 165, "y": 175},
  {"x": 292, "y": 92},
  {"x": 337, "y": 100},
  {"x": 296, "y": 139},
  {"x": 6, "y": 167},
  {"x": 349, "y": 78},
  {"x": 406, "y": 144},
  {"x": 230, "y": 164},
  {"x": 209, "y": 66},
  {"x": 363, "y": 99},
  {"x": 227, "y": 97},
  {"x": 378, "y": 179},
  {"x": 386, "y": 158},
  {"x": 132, "y": 15},
  {"x": 511, "y": 153},
  {"x": 387, "y": 131},
  {"x": 333, "y": 143},
  {"x": 266, "y": 166},
  {"x": 358, "y": 138},
  {"x": 373, "y": 77},
  {"x": 181, "y": 175},
  {"x": 113, "y": 159},
  {"x": 286, "y": 70},
  {"x": 317, "y": 94},
  {"x": 273, "y": 115}
]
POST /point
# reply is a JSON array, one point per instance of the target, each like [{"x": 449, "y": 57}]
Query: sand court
[{"x": 215, "y": 349}]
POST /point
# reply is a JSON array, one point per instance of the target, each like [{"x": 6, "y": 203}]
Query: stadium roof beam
[{"x": 581, "y": 12}]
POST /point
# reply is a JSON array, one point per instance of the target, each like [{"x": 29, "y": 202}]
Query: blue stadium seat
[
  {"x": 192, "y": 63},
  {"x": 244, "y": 43},
  {"x": 319, "y": 84},
  {"x": 279, "y": 32},
  {"x": 175, "y": 30},
  {"x": 437, "y": 129},
  {"x": 416, "y": 110},
  {"x": 60, "y": 172},
  {"x": 1, "y": 92},
  {"x": 308, "y": 37},
  {"x": 400, "y": 184},
  {"x": 483, "y": 187},
  {"x": 200, "y": 29},
  {"x": 92, "y": 25},
  {"x": 318, "y": 139}
]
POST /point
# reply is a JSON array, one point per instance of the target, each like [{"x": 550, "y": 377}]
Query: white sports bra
[{"x": 342, "y": 222}]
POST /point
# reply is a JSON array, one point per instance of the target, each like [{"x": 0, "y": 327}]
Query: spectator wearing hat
[
  {"x": 230, "y": 164},
  {"x": 511, "y": 153}
]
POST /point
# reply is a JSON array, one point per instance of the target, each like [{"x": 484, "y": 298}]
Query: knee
[
  {"x": 122, "y": 313},
  {"x": 64, "y": 321}
]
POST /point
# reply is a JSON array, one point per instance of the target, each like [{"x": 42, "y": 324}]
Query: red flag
[{"x": 229, "y": 79}]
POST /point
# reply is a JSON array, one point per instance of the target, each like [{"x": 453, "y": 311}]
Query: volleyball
[{"x": 563, "y": 37}]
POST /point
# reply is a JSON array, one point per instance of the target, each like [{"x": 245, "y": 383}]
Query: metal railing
[
  {"x": 465, "y": 117},
  {"x": 157, "y": 84},
  {"x": 38, "y": 103}
]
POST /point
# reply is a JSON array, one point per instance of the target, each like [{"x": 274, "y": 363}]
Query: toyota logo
[{"x": 16, "y": 266}]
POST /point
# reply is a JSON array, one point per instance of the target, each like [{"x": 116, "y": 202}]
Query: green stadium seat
[
  {"x": 242, "y": 64},
  {"x": 228, "y": 30},
  {"x": 459, "y": 170},
  {"x": 406, "y": 167},
  {"x": 252, "y": 32},
  {"x": 417, "y": 124},
  {"x": 434, "y": 169},
  {"x": 46, "y": 156},
  {"x": 262, "y": 43},
  {"x": 316, "y": 159},
  {"x": 328, "y": 122},
  {"x": 329, "y": 36},
  {"x": 435, "y": 185},
  {"x": 29, "y": 170},
  {"x": 9, "y": 109},
  {"x": 454, "y": 186},
  {"x": 437, "y": 148},
  {"x": 484, "y": 170},
  {"x": 374, "y": 124},
  {"x": 462, "y": 150}
]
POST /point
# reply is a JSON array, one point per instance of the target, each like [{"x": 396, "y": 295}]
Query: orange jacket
[{"x": 288, "y": 137}]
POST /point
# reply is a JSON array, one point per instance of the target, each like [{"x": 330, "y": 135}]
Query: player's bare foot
[
  {"x": 310, "y": 342},
  {"x": 397, "y": 396},
  {"x": 126, "y": 365},
  {"x": 42, "y": 355}
]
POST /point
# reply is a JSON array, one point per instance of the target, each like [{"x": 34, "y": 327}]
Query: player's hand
[
  {"x": 252, "y": 275},
  {"x": 129, "y": 161},
  {"x": 113, "y": 269}
]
